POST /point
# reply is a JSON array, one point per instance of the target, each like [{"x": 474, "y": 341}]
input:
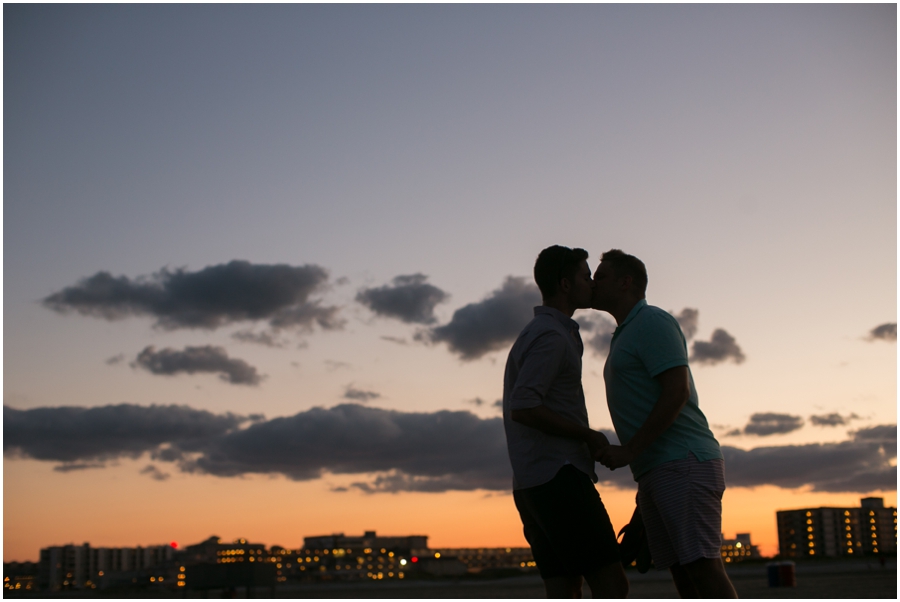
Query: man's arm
[
  {"x": 676, "y": 389},
  {"x": 547, "y": 421}
]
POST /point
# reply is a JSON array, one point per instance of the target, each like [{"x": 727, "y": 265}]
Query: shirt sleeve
[
  {"x": 540, "y": 367},
  {"x": 665, "y": 345}
]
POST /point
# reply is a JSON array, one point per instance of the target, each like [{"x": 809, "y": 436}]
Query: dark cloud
[
  {"x": 884, "y": 433},
  {"x": 403, "y": 451},
  {"x": 884, "y": 332},
  {"x": 408, "y": 298},
  {"x": 155, "y": 473},
  {"x": 688, "y": 319},
  {"x": 116, "y": 359},
  {"x": 770, "y": 423},
  {"x": 596, "y": 332},
  {"x": 424, "y": 451},
  {"x": 397, "y": 340},
  {"x": 215, "y": 296},
  {"x": 267, "y": 338},
  {"x": 833, "y": 419},
  {"x": 479, "y": 328},
  {"x": 360, "y": 395},
  {"x": 76, "y": 466},
  {"x": 860, "y": 465},
  {"x": 77, "y": 435},
  {"x": 479, "y": 402},
  {"x": 722, "y": 347},
  {"x": 198, "y": 359}
]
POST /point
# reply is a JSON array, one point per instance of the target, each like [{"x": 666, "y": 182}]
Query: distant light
[
  {"x": 415, "y": 559},
  {"x": 437, "y": 554},
  {"x": 174, "y": 544},
  {"x": 403, "y": 561}
]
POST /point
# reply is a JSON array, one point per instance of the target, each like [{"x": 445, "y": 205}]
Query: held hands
[
  {"x": 615, "y": 456},
  {"x": 597, "y": 443}
]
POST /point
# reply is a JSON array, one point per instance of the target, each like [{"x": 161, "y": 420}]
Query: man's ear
[
  {"x": 565, "y": 285},
  {"x": 625, "y": 282}
]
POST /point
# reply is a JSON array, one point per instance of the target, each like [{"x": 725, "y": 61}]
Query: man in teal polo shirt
[{"x": 665, "y": 437}]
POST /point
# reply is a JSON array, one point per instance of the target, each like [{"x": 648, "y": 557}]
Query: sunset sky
[{"x": 263, "y": 264}]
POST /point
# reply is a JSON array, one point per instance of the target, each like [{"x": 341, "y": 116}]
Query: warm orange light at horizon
[{"x": 133, "y": 510}]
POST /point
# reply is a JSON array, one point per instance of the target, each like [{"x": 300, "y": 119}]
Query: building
[
  {"x": 739, "y": 549},
  {"x": 84, "y": 567},
  {"x": 20, "y": 576},
  {"x": 477, "y": 560},
  {"x": 838, "y": 532}
]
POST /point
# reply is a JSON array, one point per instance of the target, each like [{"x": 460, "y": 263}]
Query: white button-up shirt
[{"x": 544, "y": 368}]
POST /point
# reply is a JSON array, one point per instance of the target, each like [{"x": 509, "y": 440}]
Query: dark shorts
[{"x": 567, "y": 525}]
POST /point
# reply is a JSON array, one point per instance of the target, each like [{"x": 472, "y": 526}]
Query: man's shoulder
[
  {"x": 655, "y": 315},
  {"x": 653, "y": 321},
  {"x": 542, "y": 327}
]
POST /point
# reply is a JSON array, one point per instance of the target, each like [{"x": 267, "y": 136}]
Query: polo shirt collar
[
  {"x": 558, "y": 315},
  {"x": 634, "y": 311}
]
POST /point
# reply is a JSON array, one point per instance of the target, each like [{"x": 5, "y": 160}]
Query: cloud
[
  {"x": 74, "y": 435},
  {"x": 833, "y": 419},
  {"x": 155, "y": 473},
  {"x": 332, "y": 365},
  {"x": 860, "y": 465},
  {"x": 479, "y": 328},
  {"x": 770, "y": 423},
  {"x": 596, "y": 332},
  {"x": 198, "y": 359},
  {"x": 688, "y": 319},
  {"x": 479, "y": 402},
  {"x": 400, "y": 451},
  {"x": 884, "y": 433},
  {"x": 884, "y": 332},
  {"x": 423, "y": 451},
  {"x": 116, "y": 359},
  {"x": 722, "y": 347},
  {"x": 76, "y": 466},
  {"x": 409, "y": 299},
  {"x": 360, "y": 395},
  {"x": 215, "y": 296},
  {"x": 267, "y": 338}
]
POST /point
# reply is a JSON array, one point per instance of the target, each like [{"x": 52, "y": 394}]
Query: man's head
[
  {"x": 619, "y": 277},
  {"x": 561, "y": 272}
]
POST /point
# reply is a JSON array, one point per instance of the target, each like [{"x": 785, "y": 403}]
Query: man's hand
[
  {"x": 597, "y": 443},
  {"x": 616, "y": 456}
]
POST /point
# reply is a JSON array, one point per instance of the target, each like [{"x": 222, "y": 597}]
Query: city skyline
[{"x": 263, "y": 263}]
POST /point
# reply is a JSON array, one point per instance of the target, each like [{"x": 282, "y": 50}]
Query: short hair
[
  {"x": 624, "y": 264},
  {"x": 555, "y": 263}
]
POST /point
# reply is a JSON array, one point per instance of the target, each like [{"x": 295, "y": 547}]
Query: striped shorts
[{"x": 681, "y": 504}]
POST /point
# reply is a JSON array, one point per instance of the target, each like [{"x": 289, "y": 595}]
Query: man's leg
[
  {"x": 709, "y": 577},
  {"x": 563, "y": 587},
  {"x": 608, "y": 582},
  {"x": 683, "y": 582}
]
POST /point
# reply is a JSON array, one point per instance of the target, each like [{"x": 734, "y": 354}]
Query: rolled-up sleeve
[{"x": 540, "y": 366}]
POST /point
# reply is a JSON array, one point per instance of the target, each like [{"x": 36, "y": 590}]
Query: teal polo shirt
[{"x": 646, "y": 344}]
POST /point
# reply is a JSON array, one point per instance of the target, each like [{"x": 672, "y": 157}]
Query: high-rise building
[
  {"x": 80, "y": 567},
  {"x": 833, "y": 532}
]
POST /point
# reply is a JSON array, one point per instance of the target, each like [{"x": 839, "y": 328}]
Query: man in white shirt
[{"x": 551, "y": 446}]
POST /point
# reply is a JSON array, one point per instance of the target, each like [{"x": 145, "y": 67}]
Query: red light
[
  {"x": 174, "y": 544},
  {"x": 415, "y": 559}
]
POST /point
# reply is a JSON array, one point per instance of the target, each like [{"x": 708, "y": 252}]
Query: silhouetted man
[
  {"x": 665, "y": 437},
  {"x": 551, "y": 446}
]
